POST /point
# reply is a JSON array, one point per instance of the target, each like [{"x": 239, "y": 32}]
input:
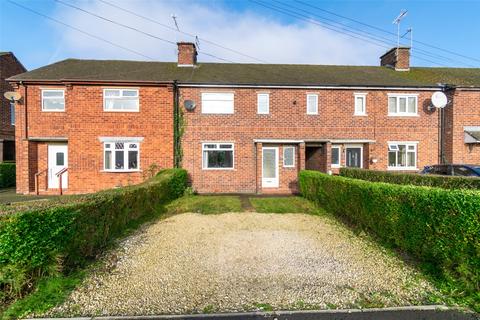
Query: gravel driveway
[{"x": 244, "y": 261}]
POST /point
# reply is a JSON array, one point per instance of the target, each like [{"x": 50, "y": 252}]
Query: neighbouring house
[
  {"x": 9, "y": 66},
  {"x": 93, "y": 124}
]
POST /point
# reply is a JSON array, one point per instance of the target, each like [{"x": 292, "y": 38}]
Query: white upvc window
[
  {"x": 121, "y": 156},
  {"x": 402, "y": 155},
  {"x": 217, "y": 155},
  {"x": 121, "y": 100},
  {"x": 312, "y": 103},
  {"x": 289, "y": 156},
  {"x": 336, "y": 156},
  {"x": 263, "y": 103},
  {"x": 53, "y": 100},
  {"x": 360, "y": 104},
  {"x": 402, "y": 104},
  {"x": 217, "y": 102}
]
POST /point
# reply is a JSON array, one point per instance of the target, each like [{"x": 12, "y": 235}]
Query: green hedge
[
  {"x": 446, "y": 182},
  {"x": 43, "y": 242},
  {"x": 438, "y": 226},
  {"x": 7, "y": 174}
]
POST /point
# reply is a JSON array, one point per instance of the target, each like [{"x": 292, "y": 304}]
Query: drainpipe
[{"x": 176, "y": 125}]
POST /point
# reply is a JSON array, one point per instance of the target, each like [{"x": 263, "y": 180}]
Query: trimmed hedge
[
  {"x": 446, "y": 182},
  {"x": 438, "y": 226},
  {"x": 43, "y": 242},
  {"x": 7, "y": 174}
]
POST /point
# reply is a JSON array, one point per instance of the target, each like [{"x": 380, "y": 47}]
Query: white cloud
[{"x": 264, "y": 37}]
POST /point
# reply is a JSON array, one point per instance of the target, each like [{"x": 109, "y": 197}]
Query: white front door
[
  {"x": 57, "y": 160},
  {"x": 270, "y": 167}
]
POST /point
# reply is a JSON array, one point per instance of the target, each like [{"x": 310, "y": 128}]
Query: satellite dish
[
  {"x": 12, "y": 95},
  {"x": 439, "y": 100},
  {"x": 189, "y": 105}
]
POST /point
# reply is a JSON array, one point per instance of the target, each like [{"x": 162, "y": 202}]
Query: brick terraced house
[
  {"x": 9, "y": 66},
  {"x": 91, "y": 124}
]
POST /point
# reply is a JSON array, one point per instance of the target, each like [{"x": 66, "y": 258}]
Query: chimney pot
[
  {"x": 397, "y": 58},
  {"x": 187, "y": 54}
]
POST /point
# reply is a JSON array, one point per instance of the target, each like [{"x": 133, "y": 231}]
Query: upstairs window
[
  {"x": 360, "y": 104},
  {"x": 53, "y": 100},
  {"x": 217, "y": 102},
  {"x": 121, "y": 156},
  {"x": 217, "y": 155},
  {"x": 263, "y": 103},
  {"x": 289, "y": 157},
  {"x": 402, "y": 155},
  {"x": 312, "y": 104},
  {"x": 123, "y": 100},
  {"x": 402, "y": 105}
]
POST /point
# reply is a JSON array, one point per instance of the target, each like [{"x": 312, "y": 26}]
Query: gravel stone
[{"x": 232, "y": 262}]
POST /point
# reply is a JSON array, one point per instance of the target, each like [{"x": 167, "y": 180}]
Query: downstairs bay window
[
  {"x": 217, "y": 156},
  {"x": 121, "y": 156},
  {"x": 402, "y": 156}
]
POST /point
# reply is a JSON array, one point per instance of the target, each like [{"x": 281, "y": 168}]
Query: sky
[{"x": 351, "y": 32}]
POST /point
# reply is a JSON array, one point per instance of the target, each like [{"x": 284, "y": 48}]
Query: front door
[
  {"x": 57, "y": 160},
  {"x": 353, "y": 157},
  {"x": 270, "y": 167}
]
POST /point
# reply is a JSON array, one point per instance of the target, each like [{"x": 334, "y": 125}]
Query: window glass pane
[
  {"x": 359, "y": 104},
  {"x": 130, "y": 93},
  {"x": 108, "y": 146},
  {"x": 119, "y": 160},
  {"x": 54, "y": 104},
  {"x": 108, "y": 160},
  {"x": 402, "y": 104},
  {"x": 52, "y": 93},
  {"x": 392, "y": 159},
  {"x": 411, "y": 147},
  {"x": 129, "y": 104},
  {"x": 210, "y": 146},
  {"x": 218, "y": 159},
  {"x": 336, "y": 156},
  {"x": 60, "y": 158},
  {"x": 411, "y": 159},
  {"x": 402, "y": 156},
  {"x": 225, "y": 146},
  {"x": 412, "y": 105},
  {"x": 133, "y": 159},
  {"x": 133, "y": 146},
  {"x": 112, "y": 93},
  {"x": 12, "y": 113},
  {"x": 392, "y": 104},
  {"x": 289, "y": 156},
  {"x": 119, "y": 145}
]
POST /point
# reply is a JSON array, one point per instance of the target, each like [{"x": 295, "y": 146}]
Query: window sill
[
  {"x": 290, "y": 167},
  {"x": 403, "y": 115},
  {"x": 53, "y": 110},
  {"x": 120, "y": 111},
  {"x": 360, "y": 114},
  {"x": 120, "y": 171},
  {"x": 335, "y": 166},
  {"x": 402, "y": 169},
  {"x": 218, "y": 169}
]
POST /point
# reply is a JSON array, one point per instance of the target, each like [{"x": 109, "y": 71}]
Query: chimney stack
[
  {"x": 397, "y": 58},
  {"x": 187, "y": 54}
]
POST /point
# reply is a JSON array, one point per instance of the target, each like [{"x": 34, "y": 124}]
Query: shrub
[
  {"x": 7, "y": 174},
  {"x": 435, "y": 225},
  {"x": 60, "y": 238},
  {"x": 446, "y": 182}
]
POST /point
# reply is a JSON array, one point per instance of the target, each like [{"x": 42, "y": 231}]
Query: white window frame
[
  {"x": 294, "y": 155},
  {"x": 395, "y": 148},
  {"x": 126, "y": 148},
  {"x": 316, "y": 103},
  {"x": 259, "y": 95},
  {"x": 339, "y": 164},
  {"x": 216, "y": 149},
  {"x": 205, "y": 94},
  {"x": 398, "y": 113},
  {"x": 121, "y": 97},
  {"x": 364, "y": 99},
  {"x": 47, "y": 98}
]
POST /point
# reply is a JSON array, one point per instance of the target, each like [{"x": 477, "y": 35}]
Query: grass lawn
[
  {"x": 9, "y": 195},
  {"x": 205, "y": 204},
  {"x": 284, "y": 205}
]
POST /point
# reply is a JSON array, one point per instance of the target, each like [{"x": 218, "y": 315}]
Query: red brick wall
[
  {"x": 82, "y": 123},
  {"x": 288, "y": 120},
  {"x": 464, "y": 111}
]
